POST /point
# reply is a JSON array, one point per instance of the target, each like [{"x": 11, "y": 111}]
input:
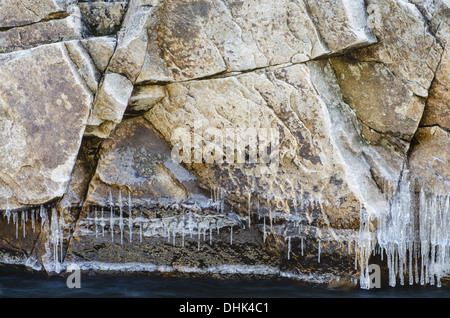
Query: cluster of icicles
[
  {"x": 42, "y": 219},
  {"x": 416, "y": 229},
  {"x": 112, "y": 221},
  {"x": 103, "y": 220},
  {"x": 414, "y": 235}
]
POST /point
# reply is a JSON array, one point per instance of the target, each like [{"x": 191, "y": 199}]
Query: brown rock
[
  {"x": 46, "y": 78},
  {"x": 110, "y": 104},
  {"x": 405, "y": 45},
  {"x": 29, "y": 36},
  {"x": 429, "y": 159},
  {"x": 103, "y": 18},
  {"x": 16, "y": 13},
  {"x": 100, "y": 49},
  {"x": 134, "y": 160}
]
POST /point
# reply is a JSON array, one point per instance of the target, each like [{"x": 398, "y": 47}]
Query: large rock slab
[
  {"x": 145, "y": 210},
  {"x": 44, "y": 104},
  {"x": 319, "y": 184},
  {"x": 438, "y": 103},
  {"x": 437, "y": 110},
  {"x": 16, "y": 13},
  {"x": 110, "y": 103},
  {"x": 385, "y": 84},
  {"x": 134, "y": 160},
  {"x": 194, "y": 39},
  {"x": 29, "y": 36},
  {"x": 429, "y": 160},
  {"x": 406, "y": 44},
  {"x": 122, "y": 70}
]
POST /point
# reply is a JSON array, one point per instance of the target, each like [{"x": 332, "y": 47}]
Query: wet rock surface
[{"x": 206, "y": 137}]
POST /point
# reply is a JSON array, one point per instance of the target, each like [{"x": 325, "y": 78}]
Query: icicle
[
  {"x": 24, "y": 222},
  {"x": 258, "y": 209},
  {"x": 33, "y": 220},
  {"x": 174, "y": 236},
  {"x": 191, "y": 224},
  {"x": 265, "y": 233},
  {"x": 349, "y": 247},
  {"x": 121, "y": 223},
  {"x": 289, "y": 248},
  {"x": 96, "y": 223},
  {"x": 231, "y": 235},
  {"x": 103, "y": 223},
  {"x": 43, "y": 214},
  {"x": 318, "y": 254},
  {"x": 8, "y": 211},
  {"x": 249, "y": 209},
  {"x": 302, "y": 245},
  {"x": 411, "y": 277},
  {"x": 111, "y": 216},
  {"x": 130, "y": 220},
  {"x": 16, "y": 222},
  {"x": 270, "y": 216},
  {"x": 61, "y": 237},
  {"x": 416, "y": 265},
  {"x": 198, "y": 240},
  {"x": 182, "y": 238},
  {"x": 140, "y": 227},
  {"x": 210, "y": 234}
]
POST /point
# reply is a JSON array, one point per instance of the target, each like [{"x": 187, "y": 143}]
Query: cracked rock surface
[{"x": 135, "y": 130}]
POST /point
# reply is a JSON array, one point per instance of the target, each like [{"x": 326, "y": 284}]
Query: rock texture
[
  {"x": 42, "y": 94},
  {"x": 17, "y": 13},
  {"x": 221, "y": 137}
]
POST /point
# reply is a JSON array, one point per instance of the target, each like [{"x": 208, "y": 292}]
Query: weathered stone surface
[
  {"x": 122, "y": 70},
  {"x": 172, "y": 224},
  {"x": 29, "y": 36},
  {"x": 313, "y": 184},
  {"x": 437, "y": 110},
  {"x": 341, "y": 23},
  {"x": 100, "y": 49},
  {"x": 144, "y": 98},
  {"x": 193, "y": 39},
  {"x": 135, "y": 160},
  {"x": 110, "y": 104},
  {"x": 385, "y": 83},
  {"x": 205, "y": 82},
  {"x": 132, "y": 40},
  {"x": 405, "y": 44},
  {"x": 381, "y": 100},
  {"x": 16, "y": 13},
  {"x": 103, "y": 18},
  {"x": 85, "y": 65},
  {"x": 430, "y": 160},
  {"x": 47, "y": 79}
]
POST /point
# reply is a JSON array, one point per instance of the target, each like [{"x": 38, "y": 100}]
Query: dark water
[{"x": 30, "y": 285}]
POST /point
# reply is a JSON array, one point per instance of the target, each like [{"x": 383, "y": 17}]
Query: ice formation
[
  {"x": 415, "y": 234},
  {"x": 412, "y": 236}
]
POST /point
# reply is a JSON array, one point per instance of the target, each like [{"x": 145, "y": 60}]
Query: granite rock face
[
  {"x": 219, "y": 137},
  {"x": 16, "y": 13},
  {"x": 42, "y": 93}
]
